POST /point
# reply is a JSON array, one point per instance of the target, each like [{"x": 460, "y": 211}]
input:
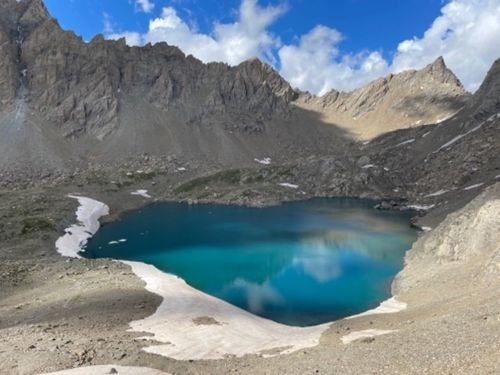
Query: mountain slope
[
  {"x": 407, "y": 99},
  {"x": 68, "y": 104},
  {"x": 65, "y": 101},
  {"x": 452, "y": 161}
]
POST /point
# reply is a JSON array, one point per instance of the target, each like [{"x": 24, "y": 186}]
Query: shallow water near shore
[{"x": 301, "y": 263}]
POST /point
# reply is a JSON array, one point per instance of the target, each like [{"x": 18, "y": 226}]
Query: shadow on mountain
[{"x": 418, "y": 105}]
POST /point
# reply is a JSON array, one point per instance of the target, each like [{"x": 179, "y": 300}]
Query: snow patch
[
  {"x": 142, "y": 193},
  {"x": 288, "y": 185},
  {"x": 76, "y": 236},
  {"x": 181, "y": 169},
  {"x": 421, "y": 207},
  {"x": 368, "y": 166},
  {"x": 265, "y": 161},
  {"x": 443, "y": 119},
  {"x": 437, "y": 193},
  {"x": 407, "y": 142},
  {"x": 459, "y": 137},
  {"x": 239, "y": 332},
  {"x": 425, "y": 134},
  {"x": 471, "y": 187},
  {"x": 123, "y": 240},
  {"x": 366, "y": 334},
  {"x": 390, "y": 306}
]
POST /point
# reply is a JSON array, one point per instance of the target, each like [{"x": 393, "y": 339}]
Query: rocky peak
[
  {"x": 486, "y": 100},
  {"x": 439, "y": 71},
  {"x": 261, "y": 73},
  {"x": 409, "y": 98},
  {"x": 31, "y": 13}
]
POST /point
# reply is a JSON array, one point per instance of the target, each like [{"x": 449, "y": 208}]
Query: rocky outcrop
[
  {"x": 463, "y": 251},
  {"x": 8, "y": 70},
  {"x": 407, "y": 99},
  {"x": 486, "y": 100}
]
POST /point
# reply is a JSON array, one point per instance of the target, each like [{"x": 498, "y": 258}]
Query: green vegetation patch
[
  {"x": 230, "y": 177},
  {"x": 36, "y": 225}
]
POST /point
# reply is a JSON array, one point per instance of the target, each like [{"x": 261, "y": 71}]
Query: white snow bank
[
  {"x": 76, "y": 236},
  {"x": 447, "y": 117},
  {"x": 106, "y": 369},
  {"x": 230, "y": 331},
  {"x": 407, "y": 142},
  {"x": 368, "y": 166},
  {"x": 265, "y": 161},
  {"x": 421, "y": 207},
  {"x": 288, "y": 185},
  {"x": 353, "y": 336},
  {"x": 459, "y": 137},
  {"x": 437, "y": 193},
  {"x": 181, "y": 169},
  {"x": 117, "y": 242},
  {"x": 142, "y": 193},
  {"x": 473, "y": 186},
  {"x": 390, "y": 306}
]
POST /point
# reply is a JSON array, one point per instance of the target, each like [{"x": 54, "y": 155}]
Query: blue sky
[
  {"x": 317, "y": 45},
  {"x": 366, "y": 24}
]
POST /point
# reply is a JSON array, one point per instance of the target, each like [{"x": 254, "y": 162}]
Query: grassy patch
[
  {"x": 255, "y": 179},
  {"x": 35, "y": 225},
  {"x": 230, "y": 177}
]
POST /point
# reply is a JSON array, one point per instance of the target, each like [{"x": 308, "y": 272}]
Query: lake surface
[{"x": 302, "y": 263}]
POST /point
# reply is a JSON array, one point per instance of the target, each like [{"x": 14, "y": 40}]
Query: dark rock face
[
  {"x": 487, "y": 99},
  {"x": 78, "y": 86}
]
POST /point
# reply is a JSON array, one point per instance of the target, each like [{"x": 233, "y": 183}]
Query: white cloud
[
  {"x": 315, "y": 63},
  {"x": 132, "y": 38},
  {"x": 466, "y": 34},
  {"x": 146, "y": 6},
  {"x": 231, "y": 43},
  {"x": 107, "y": 24}
]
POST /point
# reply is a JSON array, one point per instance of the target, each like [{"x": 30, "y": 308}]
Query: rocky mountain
[
  {"x": 66, "y": 103},
  {"x": 64, "y": 99},
  {"x": 451, "y": 161},
  {"x": 407, "y": 99}
]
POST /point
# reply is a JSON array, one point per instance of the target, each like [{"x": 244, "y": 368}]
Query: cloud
[
  {"x": 466, "y": 34},
  {"x": 315, "y": 63},
  {"x": 132, "y": 38},
  {"x": 232, "y": 43},
  {"x": 146, "y": 6},
  {"x": 107, "y": 24}
]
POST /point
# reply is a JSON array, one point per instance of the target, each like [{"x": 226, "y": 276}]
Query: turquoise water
[{"x": 301, "y": 263}]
